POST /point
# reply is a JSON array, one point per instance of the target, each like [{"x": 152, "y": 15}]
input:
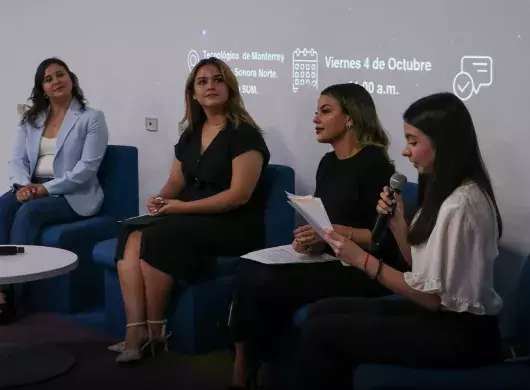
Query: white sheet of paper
[
  {"x": 293, "y": 196},
  {"x": 312, "y": 210},
  {"x": 285, "y": 255}
]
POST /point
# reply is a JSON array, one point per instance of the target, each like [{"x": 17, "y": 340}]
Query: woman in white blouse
[
  {"x": 445, "y": 312},
  {"x": 59, "y": 146}
]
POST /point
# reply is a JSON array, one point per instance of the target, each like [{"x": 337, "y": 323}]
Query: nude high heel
[
  {"x": 158, "y": 339},
  {"x": 130, "y": 355},
  {"x": 120, "y": 347}
]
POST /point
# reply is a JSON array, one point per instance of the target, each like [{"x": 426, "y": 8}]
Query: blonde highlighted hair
[
  {"x": 234, "y": 107},
  {"x": 357, "y": 103}
]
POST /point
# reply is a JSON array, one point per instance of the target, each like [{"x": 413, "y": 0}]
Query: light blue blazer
[{"x": 81, "y": 144}]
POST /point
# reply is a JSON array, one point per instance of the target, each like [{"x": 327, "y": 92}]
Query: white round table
[{"x": 25, "y": 364}]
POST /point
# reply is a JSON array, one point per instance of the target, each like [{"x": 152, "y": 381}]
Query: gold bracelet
[{"x": 351, "y": 234}]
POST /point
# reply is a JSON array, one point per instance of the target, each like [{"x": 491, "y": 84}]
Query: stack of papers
[
  {"x": 286, "y": 255},
  {"x": 312, "y": 210}
]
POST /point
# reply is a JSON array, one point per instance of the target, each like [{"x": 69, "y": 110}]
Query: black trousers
[
  {"x": 342, "y": 333},
  {"x": 267, "y": 296}
]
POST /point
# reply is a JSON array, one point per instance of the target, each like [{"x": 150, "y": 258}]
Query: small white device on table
[{"x": 25, "y": 364}]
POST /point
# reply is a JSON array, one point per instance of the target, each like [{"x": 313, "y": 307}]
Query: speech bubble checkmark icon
[
  {"x": 463, "y": 88},
  {"x": 463, "y": 85}
]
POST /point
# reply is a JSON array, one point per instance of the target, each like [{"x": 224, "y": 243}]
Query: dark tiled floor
[{"x": 95, "y": 366}]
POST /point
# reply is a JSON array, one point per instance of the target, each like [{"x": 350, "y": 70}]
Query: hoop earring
[{"x": 46, "y": 96}]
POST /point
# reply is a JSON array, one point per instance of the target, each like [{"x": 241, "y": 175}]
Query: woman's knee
[
  {"x": 132, "y": 247},
  {"x": 28, "y": 222},
  {"x": 150, "y": 269},
  {"x": 9, "y": 206},
  {"x": 29, "y": 213},
  {"x": 135, "y": 237},
  {"x": 8, "y": 203},
  {"x": 134, "y": 240}
]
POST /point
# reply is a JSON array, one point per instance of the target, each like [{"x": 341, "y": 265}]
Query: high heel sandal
[
  {"x": 130, "y": 355},
  {"x": 161, "y": 338},
  {"x": 120, "y": 347}
]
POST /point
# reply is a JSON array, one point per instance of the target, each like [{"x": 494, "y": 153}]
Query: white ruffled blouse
[{"x": 457, "y": 261}]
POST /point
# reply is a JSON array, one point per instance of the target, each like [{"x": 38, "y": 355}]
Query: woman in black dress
[
  {"x": 348, "y": 181},
  {"x": 212, "y": 205}
]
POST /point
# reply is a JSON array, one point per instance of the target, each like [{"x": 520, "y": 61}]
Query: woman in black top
[
  {"x": 212, "y": 205},
  {"x": 348, "y": 181}
]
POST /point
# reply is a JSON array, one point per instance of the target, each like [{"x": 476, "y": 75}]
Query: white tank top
[{"x": 46, "y": 156}]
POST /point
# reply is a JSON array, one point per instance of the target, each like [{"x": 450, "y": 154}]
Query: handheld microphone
[
  {"x": 10, "y": 250},
  {"x": 397, "y": 183}
]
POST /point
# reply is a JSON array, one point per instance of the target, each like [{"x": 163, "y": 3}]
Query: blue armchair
[
  {"x": 83, "y": 288},
  {"x": 198, "y": 318},
  {"x": 511, "y": 375}
]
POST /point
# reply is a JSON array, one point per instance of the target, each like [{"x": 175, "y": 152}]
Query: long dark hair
[
  {"x": 40, "y": 103},
  {"x": 444, "y": 118},
  {"x": 234, "y": 108},
  {"x": 358, "y": 104}
]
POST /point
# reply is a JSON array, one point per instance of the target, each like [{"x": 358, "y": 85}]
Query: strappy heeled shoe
[
  {"x": 120, "y": 347},
  {"x": 161, "y": 338},
  {"x": 130, "y": 355}
]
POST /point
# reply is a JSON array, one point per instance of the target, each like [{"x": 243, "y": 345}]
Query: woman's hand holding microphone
[{"x": 388, "y": 201}]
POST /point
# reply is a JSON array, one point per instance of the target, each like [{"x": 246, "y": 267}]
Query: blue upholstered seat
[{"x": 83, "y": 288}]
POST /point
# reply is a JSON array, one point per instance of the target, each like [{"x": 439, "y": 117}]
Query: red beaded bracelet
[{"x": 366, "y": 261}]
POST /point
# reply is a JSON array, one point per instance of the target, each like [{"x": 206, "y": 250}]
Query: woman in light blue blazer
[{"x": 53, "y": 171}]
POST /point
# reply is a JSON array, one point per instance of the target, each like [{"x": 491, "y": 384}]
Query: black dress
[
  {"x": 185, "y": 245},
  {"x": 268, "y": 295}
]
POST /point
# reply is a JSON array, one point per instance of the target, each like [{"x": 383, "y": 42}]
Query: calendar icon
[{"x": 305, "y": 69}]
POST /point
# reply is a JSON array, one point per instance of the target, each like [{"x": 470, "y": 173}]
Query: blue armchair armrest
[{"x": 92, "y": 230}]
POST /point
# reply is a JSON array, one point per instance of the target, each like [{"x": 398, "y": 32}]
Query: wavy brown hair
[
  {"x": 234, "y": 107},
  {"x": 40, "y": 103}
]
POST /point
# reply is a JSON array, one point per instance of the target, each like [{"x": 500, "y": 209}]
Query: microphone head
[{"x": 398, "y": 182}]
